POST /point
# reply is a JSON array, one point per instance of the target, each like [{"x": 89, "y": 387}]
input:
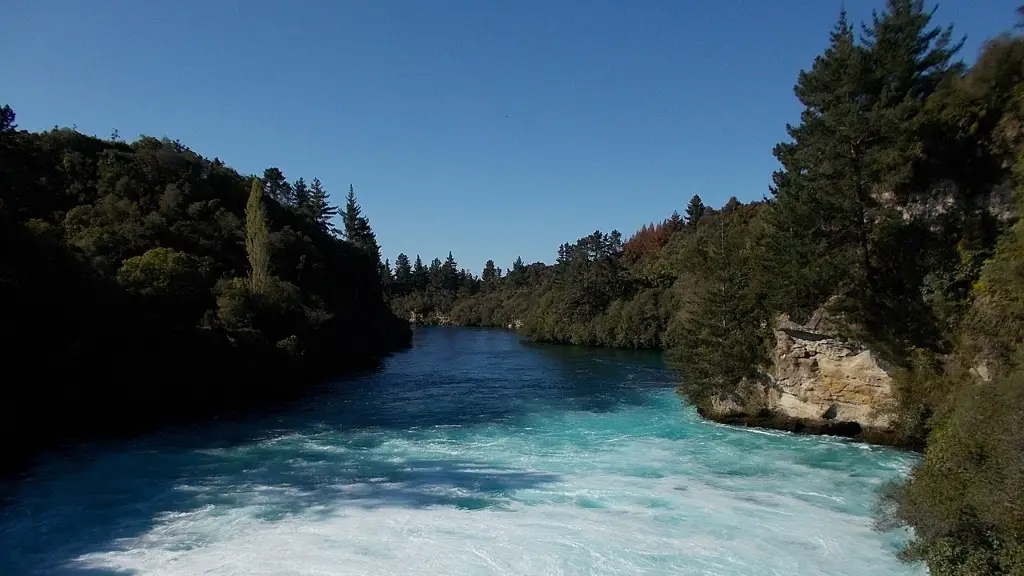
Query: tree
[
  {"x": 721, "y": 342},
  {"x": 319, "y": 207},
  {"x": 859, "y": 139},
  {"x": 674, "y": 223},
  {"x": 420, "y": 275},
  {"x": 450, "y": 274},
  {"x": 277, "y": 187},
  {"x": 163, "y": 275},
  {"x": 403, "y": 271},
  {"x": 7, "y": 120},
  {"x": 257, "y": 239},
  {"x": 908, "y": 59},
  {"x": 357, "y": 227},
  {"x": 350, "y": 216},
  {"x": 489, "y": 276},
  {"x": 823, "y": 208},
  {"x": 694, "y": 211},
  {"x": 300, "y": 191}
]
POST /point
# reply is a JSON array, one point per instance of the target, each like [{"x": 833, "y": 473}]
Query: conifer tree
[
  {"x": 694, "y": 211},
  {"x": 489, "y": 275},
  {"x": 420, "y": 275},
  {"x": 449, "y": 274},
  {"x": 357, "y": 227},
  {"x": 403, "y": 270},
  {"x": 350, "y": 216},
  {"x": 300, "y": 191},
  {"x": 257, "y": 239},
  {"x": 277, "y": 187},
  {"x": 822, "y": 210},
  {"x": 721, "y": 342},
  {"x": 320, "y": 208}
]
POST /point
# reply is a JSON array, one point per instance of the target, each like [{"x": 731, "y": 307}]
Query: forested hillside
[
  {"x": 142, "y": 284},
  {"x": 894, "y": 213}
]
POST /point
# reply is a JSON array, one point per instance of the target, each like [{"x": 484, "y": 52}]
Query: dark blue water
[{"x": 473, "y": 453}]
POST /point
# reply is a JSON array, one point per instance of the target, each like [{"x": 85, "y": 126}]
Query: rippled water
[{"x": 471, "y": 454}]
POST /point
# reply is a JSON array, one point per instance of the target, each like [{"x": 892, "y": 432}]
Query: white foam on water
[{"x": 646, "y": 489}]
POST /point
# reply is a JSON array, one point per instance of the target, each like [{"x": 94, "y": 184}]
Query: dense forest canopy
[
  {"x": 894, "y": 212},
  {"x": 143, "y": 284}
]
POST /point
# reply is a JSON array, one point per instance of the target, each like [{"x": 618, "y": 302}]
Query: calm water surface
[{"x": 473, "y": 453}]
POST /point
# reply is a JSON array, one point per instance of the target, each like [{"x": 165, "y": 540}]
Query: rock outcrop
[{"x": 816, "y": 383}]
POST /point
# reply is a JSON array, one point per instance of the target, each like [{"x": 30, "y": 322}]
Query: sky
[{"x": 491, "y": 128}]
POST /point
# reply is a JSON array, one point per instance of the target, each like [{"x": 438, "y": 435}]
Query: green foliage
[
  {"x": 694, "y": 211},
  {"x": 963, "y": 500},
  {"x": 151, "y": 258},
  {"x": 276, "y": 311},
  {"x": 357, "y": 227},
  {"x": 257, "y": 240},
  {"x": 720, "y": 339}
]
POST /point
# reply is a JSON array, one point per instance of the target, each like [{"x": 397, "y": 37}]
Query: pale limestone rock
[{"x": 817, "y": 377}]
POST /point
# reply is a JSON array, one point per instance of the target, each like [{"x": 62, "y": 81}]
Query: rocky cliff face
[{"x": 816, "y": 383}]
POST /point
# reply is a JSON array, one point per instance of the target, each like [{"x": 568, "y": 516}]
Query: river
[{"x": 472, "y": 453}]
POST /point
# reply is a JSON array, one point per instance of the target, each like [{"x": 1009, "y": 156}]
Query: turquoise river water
[{"x": 472, "y": 453}]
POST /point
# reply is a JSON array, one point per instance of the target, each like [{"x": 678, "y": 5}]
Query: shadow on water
[{"x": 323, "y": 456}]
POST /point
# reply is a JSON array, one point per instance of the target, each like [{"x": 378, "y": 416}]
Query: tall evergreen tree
[
  {"x": 350, "y": 216},
  {"x": 357, "y": 227},
  {"x": 7, "y": 120},
  {"x": 823, "y": 207},
  {"x": 721, "y": 343},
  {"x": 300, "y": 192},
  {"x": 674, "y": 223},
  {"x": 276, "y": 187},
  {"x": 694, "y": 211},
  {"x": 319, "y": 207},
  {"x": 257, "y": 239},
  {"x": 490, "y": 275},
  {"x": 859, "y": 139},
  {"x": 403, "y": 270},
  {"x": 420, "y": 275},
  {"x": 450, "y": 274},
  {"x": 908, "y": 59},
  {"x": 436, "y": 277}
]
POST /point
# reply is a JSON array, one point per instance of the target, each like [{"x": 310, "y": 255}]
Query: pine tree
[
  {"x": 403, "y": 270},
  {"x": 320, "y": 209},
  {"x": 357, "y": 227},
  {"x": 350, "y": 216},
  {"x": 674, "y": 223},
  {"x": 823, "y": 207},
  {"x": 277, "y": 187},
  {"x": 909, "y": 60},
  {"x": 300, "y": 191},
  {"x": 449, "y": 274},
  {"x": 721, "y": 343},
  {"x": 860, "y": 135},
  {"x": 7, "y": 117},
  {"x": 420, "y": 275},
  {"x": 489, "y": 276},
  {"x": 257, "y": 240},
  {"x": 694, "y": 211},
  {"x": 434, "y": 272}
]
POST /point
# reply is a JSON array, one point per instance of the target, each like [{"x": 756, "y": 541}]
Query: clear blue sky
[{"x": 491, "y": 128}]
